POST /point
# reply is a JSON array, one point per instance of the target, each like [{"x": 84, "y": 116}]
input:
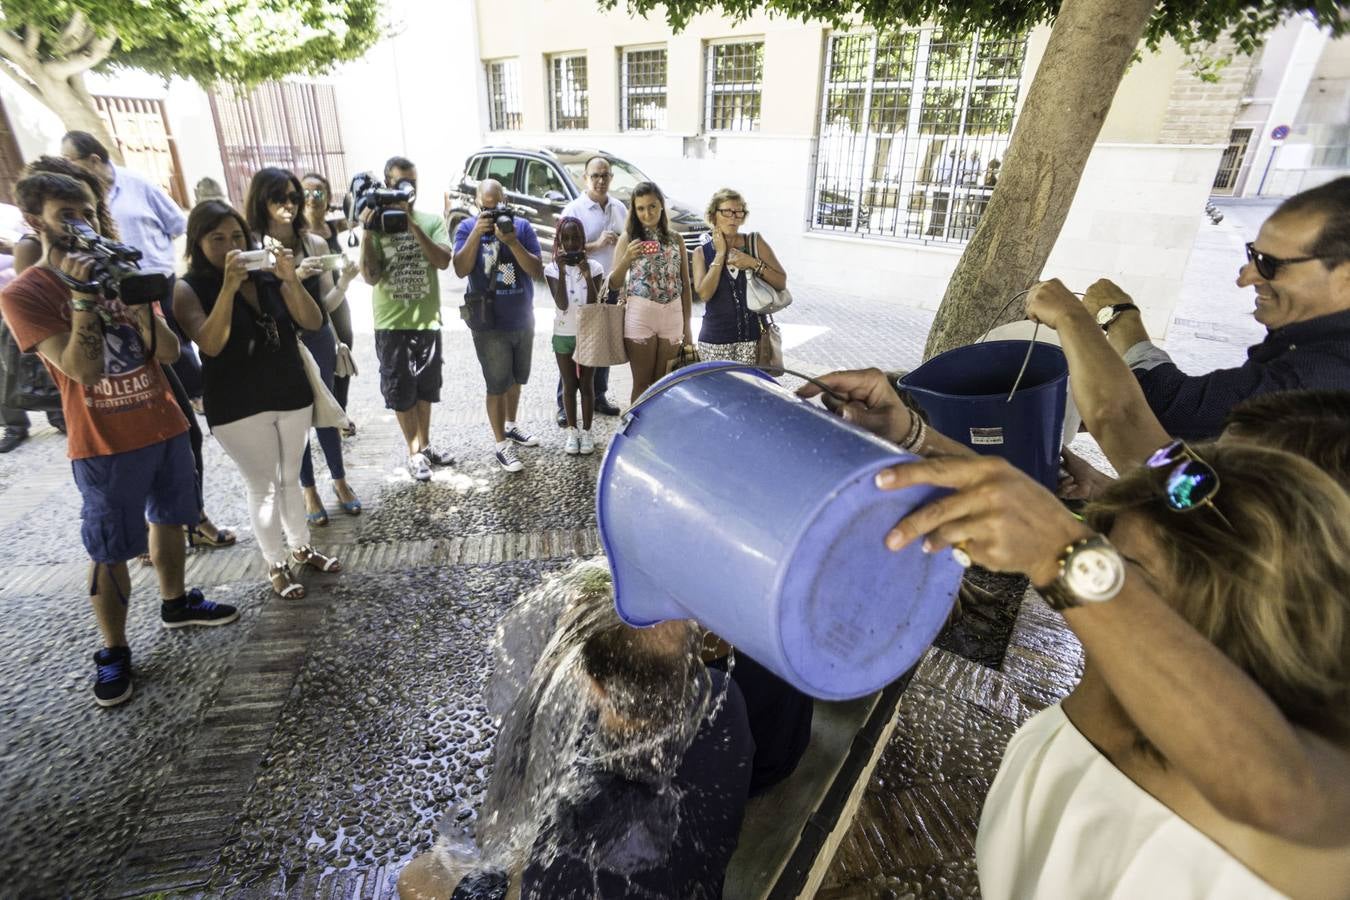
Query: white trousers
[{"x": 268, "y": 448}]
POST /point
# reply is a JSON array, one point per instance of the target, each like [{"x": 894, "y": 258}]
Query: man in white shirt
[{"x": 603, "y": 217}]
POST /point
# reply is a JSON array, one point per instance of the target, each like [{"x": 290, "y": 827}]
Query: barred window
[
  {"x": 567, "y": 86},
  {"x": 733, "y": 80},
  {"x": 642, "y": 89},
  {"x": 913, "y": 130},
  {"x": 503, "y": 88}
]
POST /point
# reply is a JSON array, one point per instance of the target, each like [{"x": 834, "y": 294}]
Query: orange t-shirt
[{"x": 131, "y": 406}]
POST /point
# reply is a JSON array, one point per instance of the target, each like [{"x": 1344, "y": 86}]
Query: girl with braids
[{"x": 573, "y": 279}]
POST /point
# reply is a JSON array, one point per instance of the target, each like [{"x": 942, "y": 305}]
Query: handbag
[
  {"x": 769, "y": 353},
  {"x": 600, "y": 335},
  {"x": 346, "y": 365},
  {"x": 760, "y": 296},
  {"x": 687, "y": 355},
  {"x": 328, "y": 413},
  {"x": 27, "y": 383}
]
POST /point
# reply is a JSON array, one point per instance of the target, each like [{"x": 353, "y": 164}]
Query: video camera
[
  {"x": 367, "y": 193},
  {"x": 116, "y": 272}
]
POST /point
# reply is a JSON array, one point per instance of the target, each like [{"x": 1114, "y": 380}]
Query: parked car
[
  {"x": 834, "y": 209},
  {"x": 540, "y": 181}
]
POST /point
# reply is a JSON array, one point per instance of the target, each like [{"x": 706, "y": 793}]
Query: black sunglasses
[
  {"x": 1191, "y": 483},
  {"x": 292, "y": 197},
  {"x": 1268, "y": 266}
]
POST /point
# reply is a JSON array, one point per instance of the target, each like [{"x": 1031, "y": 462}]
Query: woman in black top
[
  {"x": 318, "y": 200},
  {"x": 258, "y": 400}
]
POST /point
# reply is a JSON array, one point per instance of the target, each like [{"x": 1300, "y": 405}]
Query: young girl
[{"x": 580, "y": 281}]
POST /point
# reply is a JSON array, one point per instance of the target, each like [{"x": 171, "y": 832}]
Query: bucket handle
[
  {"x": 729, "y": 366},
  {"x": 1031, "y": 344}
]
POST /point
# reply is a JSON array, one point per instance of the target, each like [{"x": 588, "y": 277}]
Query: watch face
[
  {"x": 1094, "y": 574},
  {"x": 1105, "y": 314}
]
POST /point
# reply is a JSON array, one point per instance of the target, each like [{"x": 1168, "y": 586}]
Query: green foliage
[
  {"x": 1192, "y": 23},
  {"x": 235, "y": 41}
]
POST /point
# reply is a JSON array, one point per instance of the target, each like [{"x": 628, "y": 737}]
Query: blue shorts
[{"x": 121, "y": 491}]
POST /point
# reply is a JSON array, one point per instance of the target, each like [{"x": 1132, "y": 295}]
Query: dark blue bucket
[{"x": 965, "y": 394}]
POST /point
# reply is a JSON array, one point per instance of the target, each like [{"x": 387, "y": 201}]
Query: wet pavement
[{"x": 309, "y": 749}]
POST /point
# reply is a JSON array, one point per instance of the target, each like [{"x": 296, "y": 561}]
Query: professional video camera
[
  {"x": 367, "y": 193},
  {"x": 116, "y": 271}
]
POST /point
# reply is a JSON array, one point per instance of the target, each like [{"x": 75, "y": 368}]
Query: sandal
[
  {"x": 284, "y": 584},
  {"x": 318, "y": 518},
  {"x": 197, "y": 537},
  {"x": 308, "y": 556}
]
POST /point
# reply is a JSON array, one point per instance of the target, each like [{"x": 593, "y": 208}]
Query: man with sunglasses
[{"x": 1299, "y": 265}]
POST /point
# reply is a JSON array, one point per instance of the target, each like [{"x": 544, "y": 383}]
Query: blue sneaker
[
  {"x": 194, "y": 609},
  {"x": 112, "y": 679}
]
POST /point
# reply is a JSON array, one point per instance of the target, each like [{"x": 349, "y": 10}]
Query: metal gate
[
  {"x": 141, "y": 129},
  {"x": 289, "y": 125},
  {"x": 1230, "y": 164}
]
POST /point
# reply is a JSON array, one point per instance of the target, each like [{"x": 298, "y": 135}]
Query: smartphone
[
  {"x": 329, "y": 261},
  {"x": 257, "y": 260},
  {"x": 649, "y": 248}
]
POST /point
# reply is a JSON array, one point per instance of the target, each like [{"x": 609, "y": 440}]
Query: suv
[{"x": 540, "y": 181}]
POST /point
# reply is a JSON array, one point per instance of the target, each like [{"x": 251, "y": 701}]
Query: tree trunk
[
  {"x": 1090, "y": 46},
  {"x": 75, "y": 107}
]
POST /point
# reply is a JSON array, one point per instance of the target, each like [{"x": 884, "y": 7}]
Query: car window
[
  {"x": 540, "y": 178},
  {"x": 626, "y": 177},
  {"x": 475, "y": 168},
  {"x": 503, "y": 168}
]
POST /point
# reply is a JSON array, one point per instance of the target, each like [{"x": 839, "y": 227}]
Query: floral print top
[{"x": 656, "y": 277}]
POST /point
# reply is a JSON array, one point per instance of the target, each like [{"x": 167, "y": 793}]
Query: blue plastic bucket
[
  {"x": 725, "y": 498},
  {"x": 965, "y": 394}
]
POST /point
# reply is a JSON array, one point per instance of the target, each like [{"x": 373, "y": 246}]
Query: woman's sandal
[
  {"x": 196, "y": 537},
  {"x": 308, "y": 556},
  {"x": 284, "y": 584}
]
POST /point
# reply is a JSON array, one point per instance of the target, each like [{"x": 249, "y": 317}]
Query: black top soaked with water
[{"x": 623, "y": 839}]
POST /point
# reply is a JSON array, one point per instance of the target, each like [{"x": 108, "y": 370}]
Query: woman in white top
[
  {"x": 1206, "y": 751},
  {"x": 573, "y": 279}
]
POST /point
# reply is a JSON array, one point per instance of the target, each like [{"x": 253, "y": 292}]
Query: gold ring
[{"x": 961, "y": 556}]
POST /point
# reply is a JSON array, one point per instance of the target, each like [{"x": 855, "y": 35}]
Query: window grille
[
  {"x": 733, "y": 79},
  {"x": 503, "y": 87},
  {"x": 913, "y": 130},
  {"x": 570, "y": 107},
  {"x": 642, "y": 90}
]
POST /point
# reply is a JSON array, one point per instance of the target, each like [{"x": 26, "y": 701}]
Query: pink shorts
[{"x": 646, "y": 319}]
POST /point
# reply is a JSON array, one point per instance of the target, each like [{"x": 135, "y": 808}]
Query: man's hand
[
  {"x": 367, "y": 215},
  {"x": 871, "y": 402},
  {"x": 1103, "y": 293},
  {"x": 486, "y": 221},
  {"x": 1051, "y": 303},
  {"x": 79, "y": 267},
  {"x": 1003, "y": 519},
  {"x": 1083, "y": 481},
  {"x": 507, "y": 235}
]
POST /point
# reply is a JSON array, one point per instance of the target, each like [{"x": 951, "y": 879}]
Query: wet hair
[
  {"x": 1312, "y": 424},
  {"x": 1269, "y": 591},
  {"x": 636, "y": 230},
  {"x": 59, "y": 165},
  {"x": 1331, "y": 201},
  {"x": 204, "y": 219},
  {"x": 570, "y": 223},
  {"x": 723, "y": 196},
  {"x": 86, "y": 145},
  {"x": 396, "y": 162},
  {"x": 264, "y": 184}
]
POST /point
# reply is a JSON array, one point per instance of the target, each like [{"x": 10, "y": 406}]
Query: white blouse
[{"x": 565, "y": 320}]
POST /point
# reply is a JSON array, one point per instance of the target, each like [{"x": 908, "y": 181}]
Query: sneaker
[
  {"x": 525, "y": 440},
  {"x": 112, "y": 679},
  {"x": 12, "y": 437},
  {"x": 561, "y": 418},
  {"x": 418, "y": 467},
  {"x": 573, "y": 445},
  {"x": 508, "y": 460},
  {"x": 437, "y": 457},
  {"x": 194, "y": 609},
  {"x": 587, "y": 444}
]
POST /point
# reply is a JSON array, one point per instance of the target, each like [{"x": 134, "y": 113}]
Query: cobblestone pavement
[{"x": 308, "y": 749}]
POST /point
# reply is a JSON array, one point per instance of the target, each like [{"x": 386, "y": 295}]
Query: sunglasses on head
[
  {"x": 1268, "y": 266},
  {"x": 287, "y": 197},
  {"x": 1191, "y": 482}
]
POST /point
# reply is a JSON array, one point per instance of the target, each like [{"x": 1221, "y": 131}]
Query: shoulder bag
[
  {"x": 600, "y": 333},
  {"x": 760, "y": 296},
  {"x": 27, "y": 384},
  {"x": 328, "y": 413},
  {"x": 769, "y": 353}
]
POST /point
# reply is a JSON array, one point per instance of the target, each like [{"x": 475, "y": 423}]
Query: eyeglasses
[
  {"x": 1268, "y": 266},
  {"x": 1192, "y": 482},
  {"x": 292, "y": 197},
  {"x": 315, "y": 194},
  {"x": 600, "y": 176},
  {"x": 734, "y": 213}
]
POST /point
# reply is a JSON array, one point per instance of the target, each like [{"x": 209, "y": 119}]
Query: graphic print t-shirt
[
  {"x": 131, "y": 406},
  {"x": 513, "y": 302},
  {"x": 408, "y": 297}
]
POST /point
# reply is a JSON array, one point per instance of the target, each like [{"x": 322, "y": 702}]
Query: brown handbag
[
  {"x": 770, "y": 351},
  {"x": 600, "y": 335}
]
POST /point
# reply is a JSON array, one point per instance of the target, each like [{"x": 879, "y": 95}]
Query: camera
[
  {"x": 572, "y": 257},
  {"x": 258, "y": 260},
  {"x": 367, "y": 193},
  {"x": 116, "y": 273}
]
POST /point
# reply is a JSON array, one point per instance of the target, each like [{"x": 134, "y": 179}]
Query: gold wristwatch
[{"x": 1090, "y": 571}]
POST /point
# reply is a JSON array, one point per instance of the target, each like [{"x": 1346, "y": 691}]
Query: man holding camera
[
  {"x": 402, "y": 252},
  {"x": 127, "y": 438},
  {"x": 604, "y": 218},
  {"x": 499, "y": 254}
]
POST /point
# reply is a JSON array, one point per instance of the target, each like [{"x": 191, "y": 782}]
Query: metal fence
[
  {"x": 503, "y": 88},
  {"x": 733, "y": 82},
  {"x": 140, "y": 127},
  {"x": 570, "y": 106},
  {"x": 913, "y": 129},
  {"x": 286, "y": 124},
  {"x": 642, "y": 89}
]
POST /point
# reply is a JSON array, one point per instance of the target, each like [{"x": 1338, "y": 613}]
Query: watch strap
[{"x": 1117, "y": 311}]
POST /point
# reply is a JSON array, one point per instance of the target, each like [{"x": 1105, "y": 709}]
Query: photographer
[
  {"x": 403, "y": 267},
  {"x": 499, "y": 254},
  {"x": 127, "y": 438}
]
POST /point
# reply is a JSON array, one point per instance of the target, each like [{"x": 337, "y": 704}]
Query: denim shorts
[
  {"x": 410, "y": 367},
  {"x": 505, "y": 357},
  {"x": 122, "y": 490}
]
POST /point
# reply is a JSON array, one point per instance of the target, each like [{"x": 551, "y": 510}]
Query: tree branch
[
  {"x": 32, "y": 39},
  {"x": 20, "y": 77},
  {"x": 82, "y": 62},
  {"x": 17, "y": 53},
  {"x": 76, "y": 35}
]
